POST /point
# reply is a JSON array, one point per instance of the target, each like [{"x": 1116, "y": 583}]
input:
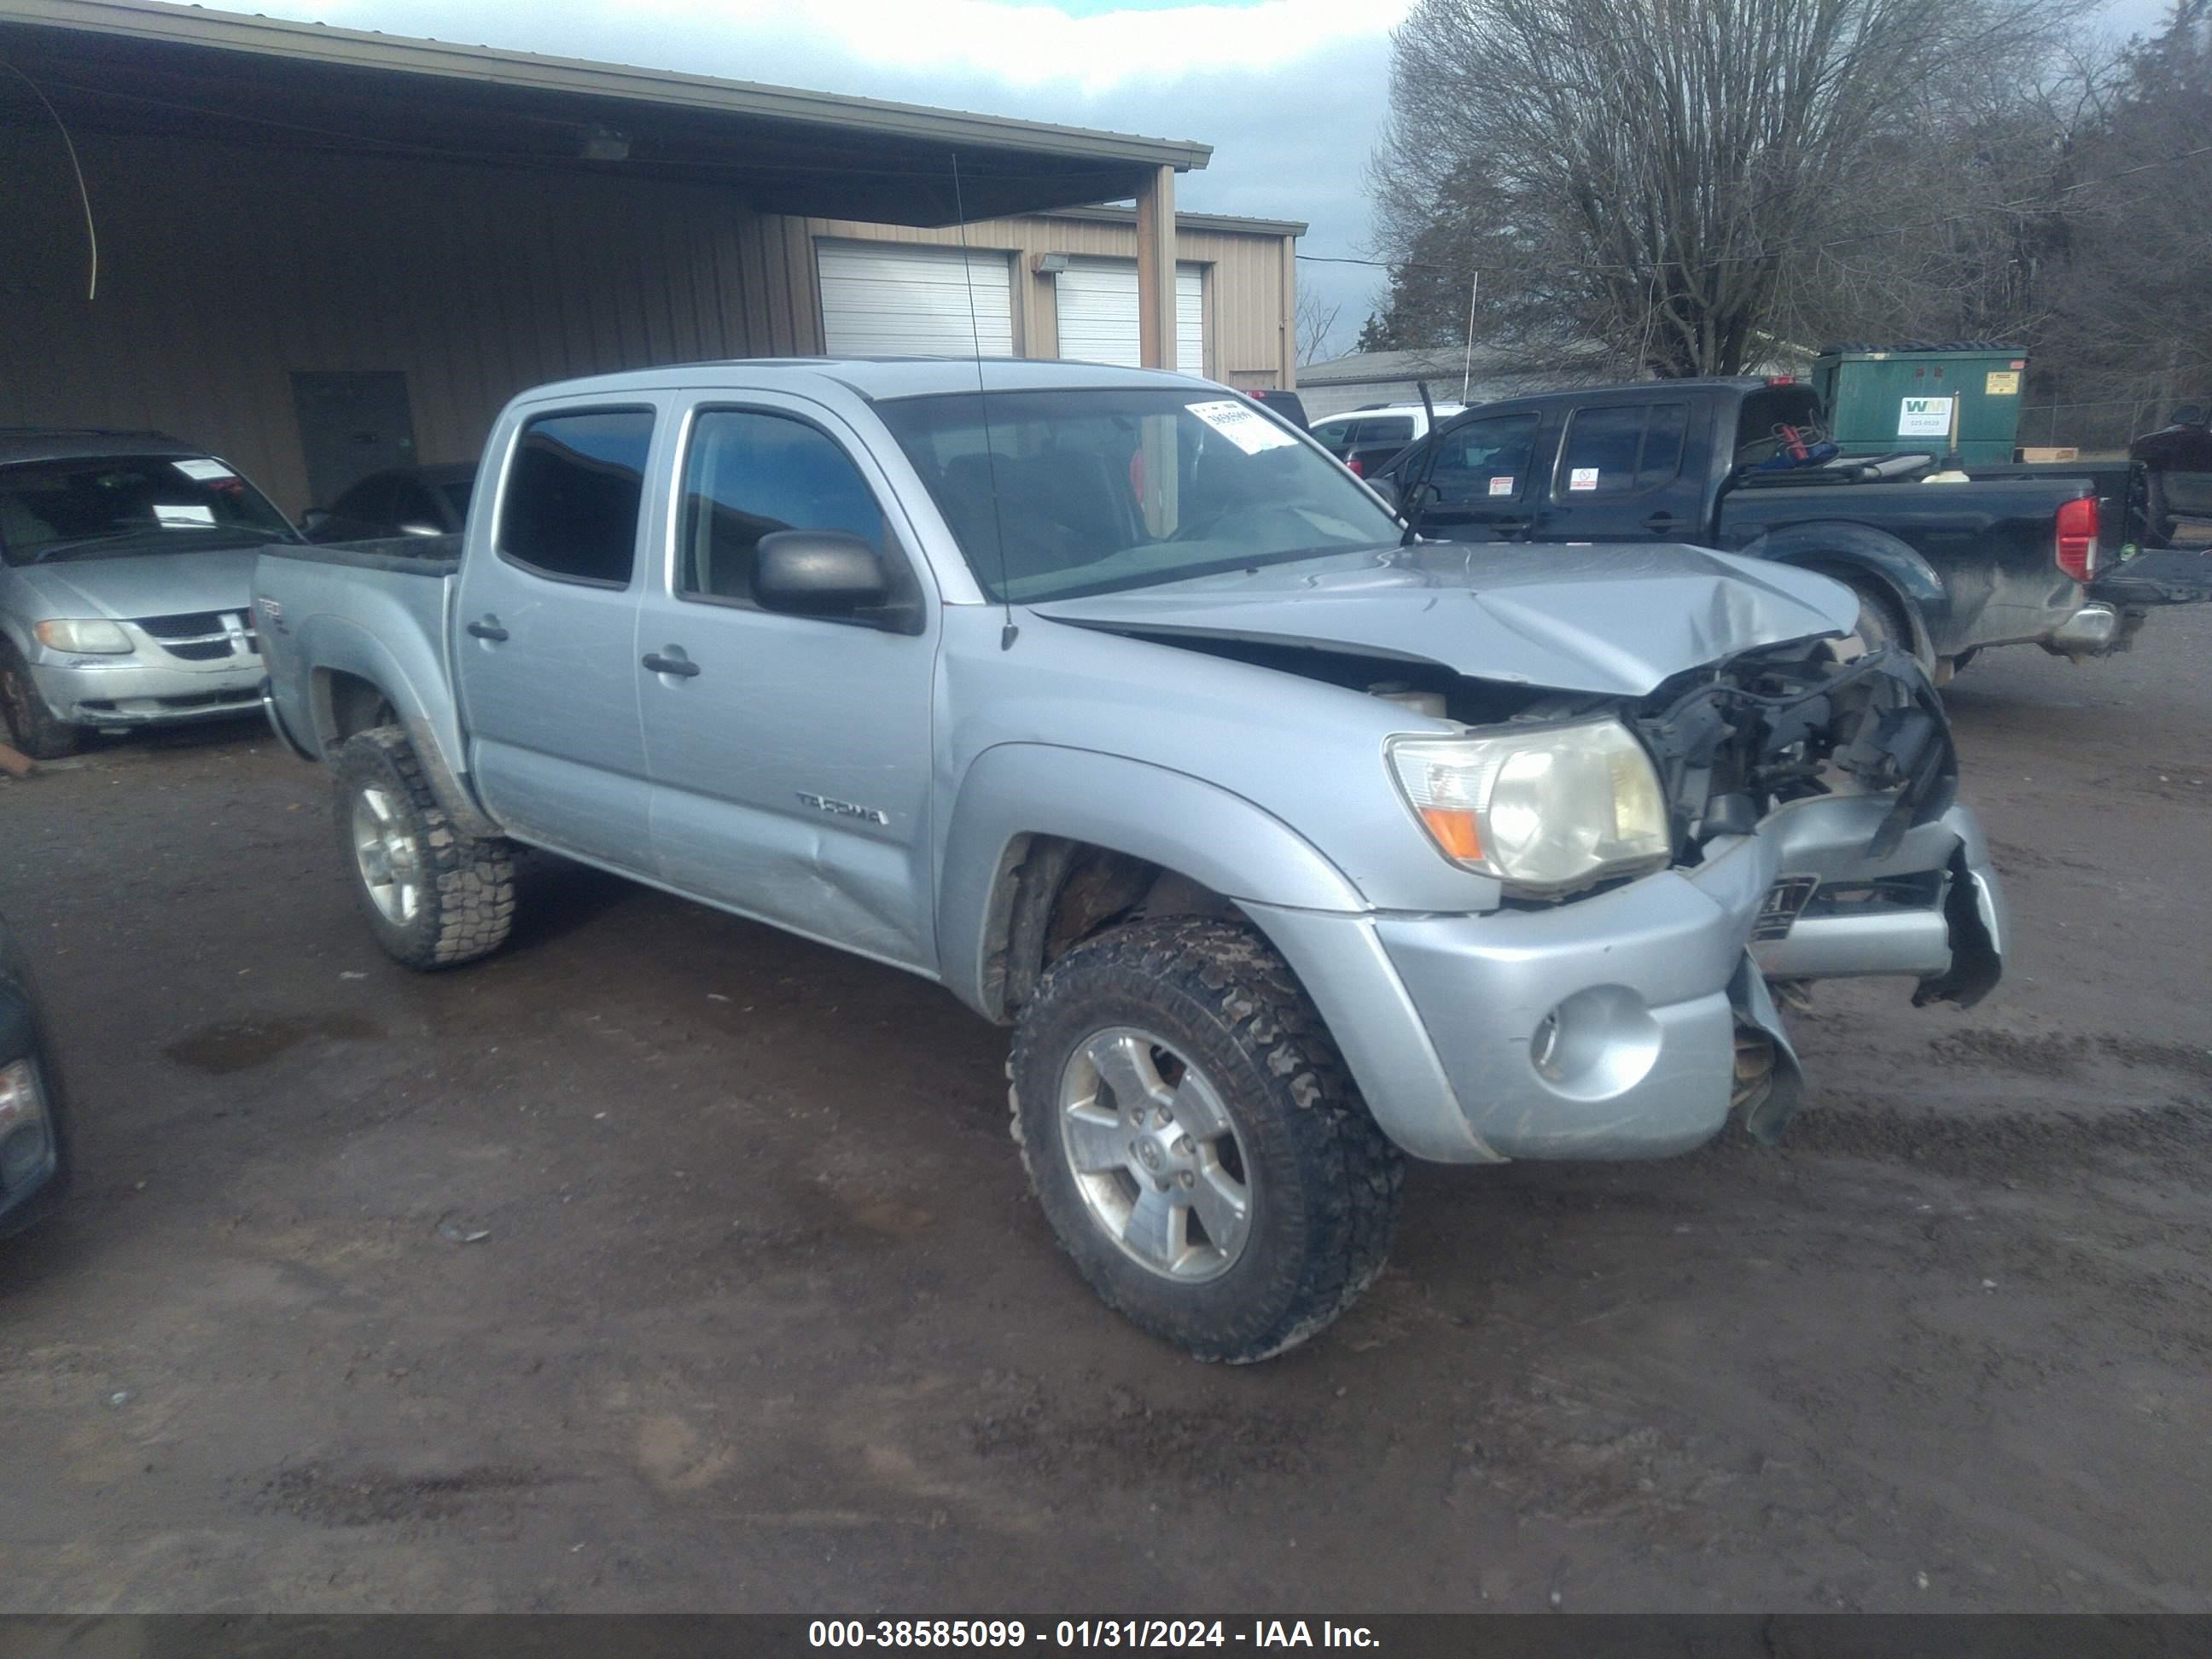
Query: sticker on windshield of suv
[
  {"x": 184, "y": 517},
  {"x": 204, "y": 472},
  {"x": 1248, "y": 431},
  {"x": 1583, "y": 478},
  {"x": 1501, "y": 486}
]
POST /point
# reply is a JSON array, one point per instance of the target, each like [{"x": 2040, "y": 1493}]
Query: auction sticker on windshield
[
  {"x": 1501, "y": 486},
  {"x": 1248, "y": 431},
  {"x": 183, "y": 516},
  {"x": 1583, "y": 478}
]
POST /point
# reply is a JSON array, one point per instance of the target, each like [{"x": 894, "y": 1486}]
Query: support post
[{"x": 1156, "y": 270}]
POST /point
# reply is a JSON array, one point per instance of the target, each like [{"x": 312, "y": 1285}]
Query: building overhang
[{"x": 163, "y": 71}]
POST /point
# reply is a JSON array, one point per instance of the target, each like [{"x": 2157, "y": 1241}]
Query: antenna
[
  {"x": 84, "y": 196},
  {"x": 1416, "y": 501},
  {"x": 1467, "y": 361},
  {"x": 1009, "y": 632}
]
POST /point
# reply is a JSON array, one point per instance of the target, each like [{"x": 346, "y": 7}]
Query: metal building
[{"x": 319, "y": 252}]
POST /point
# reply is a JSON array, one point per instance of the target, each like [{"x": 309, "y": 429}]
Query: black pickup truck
[{"x": 1944, "y": 563}]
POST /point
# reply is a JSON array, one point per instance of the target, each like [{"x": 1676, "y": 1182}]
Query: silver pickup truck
[{"x": 1114, "y": 705}]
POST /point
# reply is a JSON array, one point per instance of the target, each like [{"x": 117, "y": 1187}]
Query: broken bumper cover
[{"x": 1607, "y": 1028}]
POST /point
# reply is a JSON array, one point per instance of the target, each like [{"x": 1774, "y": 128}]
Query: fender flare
[
  {"x": 1863, "y": 551},
  {"x": 336, "y": 645},
  {"x": 1198, "y": 829}
]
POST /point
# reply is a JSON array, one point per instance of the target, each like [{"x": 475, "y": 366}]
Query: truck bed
[{"x": 375, "y": 613}]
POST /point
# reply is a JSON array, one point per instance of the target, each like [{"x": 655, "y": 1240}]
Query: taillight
[
  {"x": 1358, "y": 468},
  {"x": 2077, "y": 539}
]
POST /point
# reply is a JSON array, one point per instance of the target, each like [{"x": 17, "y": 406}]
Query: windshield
[
  {"x": 96, "y": 507},
  {"x": 1087, "y": 491}
]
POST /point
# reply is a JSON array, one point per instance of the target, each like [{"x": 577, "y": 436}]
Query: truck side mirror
[{"x": 828, "y": 573}]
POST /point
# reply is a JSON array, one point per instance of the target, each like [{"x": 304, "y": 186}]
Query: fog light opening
[{"x": 1595, "y": 1044}]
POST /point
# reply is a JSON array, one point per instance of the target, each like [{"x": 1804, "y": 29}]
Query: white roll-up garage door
[
  {"x": 1097, "y": 303},
  {"x": 895, "y": 299}
]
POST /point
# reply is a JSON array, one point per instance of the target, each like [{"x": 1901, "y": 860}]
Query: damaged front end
[{"x": 1847, "y": 775}]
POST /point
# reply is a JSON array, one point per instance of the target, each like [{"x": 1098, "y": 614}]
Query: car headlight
[
  {"x": 90, "y": 638},
  {"x": 1543, "y": 808}
]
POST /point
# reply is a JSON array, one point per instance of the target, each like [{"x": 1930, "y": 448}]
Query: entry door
[
  {"x": 546, "y": 652},
  {"x": 351, "y": 425},
  {"x": 791, "y": 754}
]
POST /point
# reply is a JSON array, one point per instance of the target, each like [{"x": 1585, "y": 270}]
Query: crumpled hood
[
  {"x": 157, "y": 585},
  {"x": 1615, "y": 619}
]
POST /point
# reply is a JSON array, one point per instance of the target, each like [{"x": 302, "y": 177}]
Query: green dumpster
[{"x": 1882, "y": 399}]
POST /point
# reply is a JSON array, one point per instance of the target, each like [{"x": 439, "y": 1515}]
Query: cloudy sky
[{"x": 1290, "y": 93}]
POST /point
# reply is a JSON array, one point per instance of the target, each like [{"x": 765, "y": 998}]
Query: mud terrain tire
[
  {"x": 1210, "y": 998},
  {"x": 447, "y": 898}
]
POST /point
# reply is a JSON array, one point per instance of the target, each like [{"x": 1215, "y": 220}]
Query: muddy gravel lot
[{"x": 666, "y": 1261}]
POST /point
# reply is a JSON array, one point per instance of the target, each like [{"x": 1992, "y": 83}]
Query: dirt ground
[{"x": 761, "y": 1318}]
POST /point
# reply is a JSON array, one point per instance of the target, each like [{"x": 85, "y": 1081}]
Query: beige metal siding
[
  {"x": 1248, "y": 293},
  {"x": 224, "y": 270}
]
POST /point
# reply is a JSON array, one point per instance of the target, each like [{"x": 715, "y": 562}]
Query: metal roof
[
  {"x": 143, "y": 67},
  {"x": 1235, "y": 224}
]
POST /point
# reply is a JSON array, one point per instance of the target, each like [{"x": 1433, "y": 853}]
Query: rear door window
[
  {"x": 574, "y": 489},
  {"x": 1621, "y": 448},
  {"x": 1335, "y": 436}
]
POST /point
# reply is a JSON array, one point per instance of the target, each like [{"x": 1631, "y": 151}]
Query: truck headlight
[
  {"x": 1543, "y": 808},
  {"x": 89, "y": 638}
]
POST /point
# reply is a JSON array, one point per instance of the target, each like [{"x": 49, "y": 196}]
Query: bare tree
[
  {"x": 1683, "y": 184},
  {"x": 1316, "y": 323},
  {"x": 2130, "y": 332}
]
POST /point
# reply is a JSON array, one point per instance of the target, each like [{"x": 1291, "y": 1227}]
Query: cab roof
[{"x": 877, "y": 378}]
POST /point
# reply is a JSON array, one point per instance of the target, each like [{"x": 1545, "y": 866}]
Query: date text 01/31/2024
[{"x": 1085, "y": 1633}]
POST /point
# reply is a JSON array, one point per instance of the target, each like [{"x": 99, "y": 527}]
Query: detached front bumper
[
  {"x": 1607, "y": 1027},
  {"x": 130, "y": 691}
]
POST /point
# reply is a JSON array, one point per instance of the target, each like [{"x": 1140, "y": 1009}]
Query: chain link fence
[{"x": 2106, "y": 425}]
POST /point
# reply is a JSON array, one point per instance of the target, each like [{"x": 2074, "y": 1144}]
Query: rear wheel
[
  {"x": 1196, "y": 1142},
  {"x": 32, "y": 726},
  {"x": 432, "y": 897}
]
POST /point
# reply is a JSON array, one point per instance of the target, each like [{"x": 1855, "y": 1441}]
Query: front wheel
[
  {"x": 30, "y": 722},
  {"x": 1880, "y": 623},
  {"x": 432, "y": 897},
  {"x": 1195, "y": 1141}
]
